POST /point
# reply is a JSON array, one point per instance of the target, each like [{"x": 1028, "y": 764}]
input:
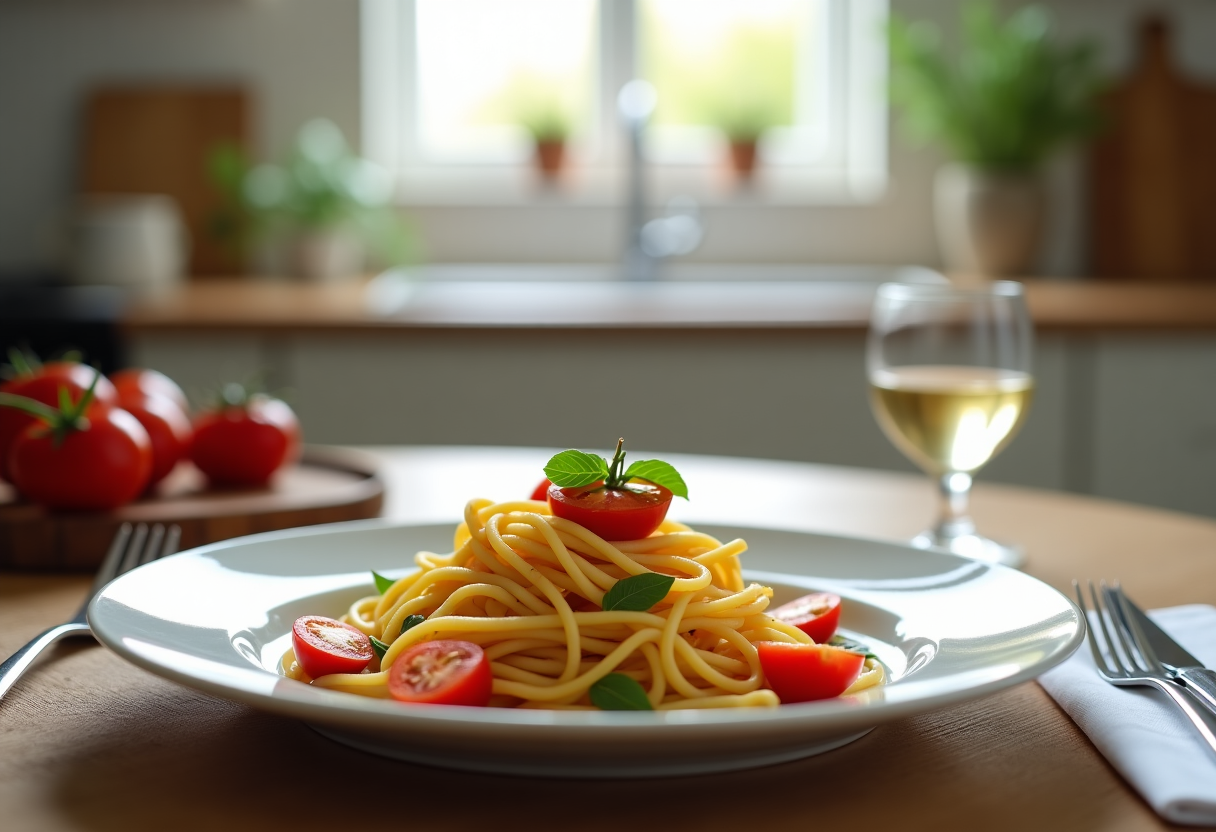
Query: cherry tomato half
[
  {"x": 245, "y": 444},
  {"x": 324, "y": 646},
  {"x": 541, "y": 491},
  {"x": 135, "y": 383},
  {"x": 104, "y": 465},
  {"x": 806, "y": 672},
  {"x": 43, "y": 385},
  {"x": 627, "y": 513},
  {"x": 817, "y": 614},
  {"x": 168, "y": 427},
  {"x": 443, "y": 672}
]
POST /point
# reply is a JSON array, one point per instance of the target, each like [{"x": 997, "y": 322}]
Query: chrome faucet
[{"x": 650, "y": 241}]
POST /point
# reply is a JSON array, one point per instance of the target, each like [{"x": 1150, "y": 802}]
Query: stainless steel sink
[{"x": 593, "y": 295}]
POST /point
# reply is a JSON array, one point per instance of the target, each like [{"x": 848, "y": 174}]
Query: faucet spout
[{"x": 636, "y": 103}]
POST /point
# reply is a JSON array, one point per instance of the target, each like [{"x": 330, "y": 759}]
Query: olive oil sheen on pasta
[{"x": 947, "y": 418}]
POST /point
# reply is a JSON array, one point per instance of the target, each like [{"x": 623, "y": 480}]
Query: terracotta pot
[
  {"x": 988, "y": 223},
  {"x": 743, "y": 158},
  {"x": 550, "y": 157}
]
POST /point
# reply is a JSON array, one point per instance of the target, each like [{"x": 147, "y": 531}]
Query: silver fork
[
  {"x": 1115, "y": 665},
  {"x": 129, "y": 549}
]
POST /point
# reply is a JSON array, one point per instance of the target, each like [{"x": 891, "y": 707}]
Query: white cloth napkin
[{"x": 1141, "y": 732}]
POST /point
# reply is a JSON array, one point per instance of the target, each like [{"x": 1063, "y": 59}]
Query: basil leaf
[
  {"x": 659, "y": 473},
  {"x": 412, "y": 621},
  {"x": 382, "y": 583},
  {"x": 637, "y": 593},
  {"x": 570, "y": 469},
  {"x": 846, "y": 643},
  {"x": 379, "y": 646},
  {"x": 618, "y": 692}
]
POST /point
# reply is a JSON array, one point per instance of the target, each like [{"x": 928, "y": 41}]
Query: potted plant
[
  {"x": 1008, "y": 99},
  {"x": 330, "y": 208},
  {"x": 549, "y": 128}
]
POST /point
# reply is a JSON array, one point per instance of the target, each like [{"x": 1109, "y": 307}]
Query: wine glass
[{"x": 950, "y": 383}]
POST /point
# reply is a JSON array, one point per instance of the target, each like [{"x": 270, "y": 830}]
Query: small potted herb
[
  {"x": 331, "y": 208},
  {"x": 1007, "y": 100}
]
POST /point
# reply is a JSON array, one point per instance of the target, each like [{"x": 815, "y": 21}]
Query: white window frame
[{"x": 851, "y": 169}]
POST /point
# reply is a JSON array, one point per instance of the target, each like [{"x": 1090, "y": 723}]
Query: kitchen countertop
[{"x": 251, "y": 304}]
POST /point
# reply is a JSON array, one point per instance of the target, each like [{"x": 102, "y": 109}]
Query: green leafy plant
[
  {"x": 321, "y": 186},
  {"x": 1009, "y": 98}
]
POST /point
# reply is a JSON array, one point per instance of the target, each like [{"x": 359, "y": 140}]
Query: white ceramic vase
[
  {"x": 989, "y": 224},
  {"x": 326, "y": 255}
]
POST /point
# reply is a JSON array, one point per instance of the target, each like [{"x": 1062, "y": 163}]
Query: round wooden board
[{"x": 327, "y": 486}]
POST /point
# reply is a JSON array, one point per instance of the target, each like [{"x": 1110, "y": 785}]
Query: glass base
[{"x": 973, "y": 546}]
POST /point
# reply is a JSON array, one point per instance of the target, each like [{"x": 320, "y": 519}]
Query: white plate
[{"x": 218, "y": 618}]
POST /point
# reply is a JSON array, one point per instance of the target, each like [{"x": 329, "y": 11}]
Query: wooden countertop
[
  {"x": 88, "y": 741},
  {"x": 259, "y": 305}
]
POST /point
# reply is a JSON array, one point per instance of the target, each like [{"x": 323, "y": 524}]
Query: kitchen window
[{"x": 454, "y": 90}]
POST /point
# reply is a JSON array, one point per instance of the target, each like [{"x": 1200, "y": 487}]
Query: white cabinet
[{"x": 1127, "y": 416}]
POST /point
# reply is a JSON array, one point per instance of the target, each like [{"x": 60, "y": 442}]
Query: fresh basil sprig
[
  {"x": 618, "y": 692},
  {"x": 382, "y": 583},
  {"x": 379, "y": 646},
  {"x": 637, "y": 593},
  {"x": 572, "y": 469},
  {"x": 846, "y": 643},
  {"x": 412, "y": 621}
]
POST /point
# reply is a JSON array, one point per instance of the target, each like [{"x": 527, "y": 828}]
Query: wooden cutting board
[
  {"x": 327, "y": 486},
  {"x": 1152, "y": 179},
  {"x": 141, "y": 140}
]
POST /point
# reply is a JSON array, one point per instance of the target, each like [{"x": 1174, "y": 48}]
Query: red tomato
[
  {"x": 443, "y": 672},
  {"x": 168, "y": 427},
  {"x": 806, "y": 672},
  {"x": 103, "y": 465},
  {"x": 541, "y": 491},
  {"x": 135, "y": 384},
  {"x": 245, "y": 444},
  {"x": 324, "y": 646},
  {"x": 43, "y": 386},
  {"x": 628, "y": 513},
  {"x": 817, "y": 614}
]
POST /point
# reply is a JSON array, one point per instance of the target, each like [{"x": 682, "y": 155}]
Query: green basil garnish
[
  {"x": 637, "y": 593},
  {"x": 382, "y": 583},
  {"x": 379, "y": 646},
  {"x": 618, "y": 692},
  {"x": 412, "y": 621}
]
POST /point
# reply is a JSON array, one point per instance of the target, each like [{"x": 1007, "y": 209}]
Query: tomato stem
[
  {"x": 65, "y": 419},
  {"x": 617, "y": 466}
]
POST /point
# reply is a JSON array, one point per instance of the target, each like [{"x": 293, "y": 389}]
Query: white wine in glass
[{"x": 950, "y": 383}]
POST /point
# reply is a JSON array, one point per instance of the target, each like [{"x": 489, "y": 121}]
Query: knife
[{"x": 1180, "y": 664}]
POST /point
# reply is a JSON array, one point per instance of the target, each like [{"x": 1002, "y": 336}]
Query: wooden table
[{"x": 88, "y": 742}]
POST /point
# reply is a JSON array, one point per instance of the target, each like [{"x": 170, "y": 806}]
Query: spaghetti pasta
[{"x": 528, "y": 588}]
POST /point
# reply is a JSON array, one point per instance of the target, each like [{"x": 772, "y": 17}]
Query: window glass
[
  {"x": 731, "y": 69},
  {"x": 493, "y": 74}
]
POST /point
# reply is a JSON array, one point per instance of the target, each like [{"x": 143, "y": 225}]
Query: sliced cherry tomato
[
  {"x": 541, "y": 491},
  {"x": 443, "y": 672},
  {"x": 630, "y": 512},
  {"x": 168, "y": 427},
  {"x": 817, "y": 614},
  {"x": 244, "y": 444},
  {"x": 324, "y": 646},
  {"x": 103, "y": 464},
  {"x": 136, "y": 383},
  {"x": 42, "y": 385},
  {"x": 806, "y": 672}
]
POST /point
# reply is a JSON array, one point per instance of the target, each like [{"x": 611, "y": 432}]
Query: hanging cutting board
[
  {"x": 1153, "y": 172},
  {"x": 159, "y": 140}
]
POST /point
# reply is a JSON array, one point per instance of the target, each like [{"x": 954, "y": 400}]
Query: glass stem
[{"x": 954, "y": 520}]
